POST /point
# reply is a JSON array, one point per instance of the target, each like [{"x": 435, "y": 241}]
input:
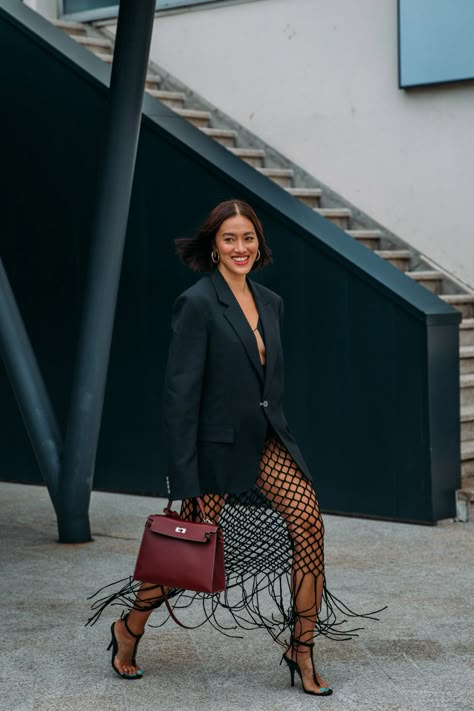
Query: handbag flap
[{"x": 177, "y": 528}]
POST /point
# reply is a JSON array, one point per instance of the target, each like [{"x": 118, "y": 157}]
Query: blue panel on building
[{"x": 435, "y": 41}]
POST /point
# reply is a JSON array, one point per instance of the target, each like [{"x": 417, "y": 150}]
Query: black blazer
[{"x": 218, "y": 398}]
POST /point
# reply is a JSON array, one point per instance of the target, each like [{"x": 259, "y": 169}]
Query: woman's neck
[{"x": 236, "y": 283}]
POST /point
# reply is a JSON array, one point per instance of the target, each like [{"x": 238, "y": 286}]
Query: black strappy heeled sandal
[
  {"x": 294, "y": 667},
  {"x": 114, "y": 646}
]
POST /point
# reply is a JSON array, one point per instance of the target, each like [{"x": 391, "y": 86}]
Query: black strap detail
[
  {"x": 300, "y": 643},
  {"x": 132, "y": 634}
]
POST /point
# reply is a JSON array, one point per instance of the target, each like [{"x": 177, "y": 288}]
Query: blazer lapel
[
  {"x": 270, "y": 329},
  {"x": 236, "y": 318}
]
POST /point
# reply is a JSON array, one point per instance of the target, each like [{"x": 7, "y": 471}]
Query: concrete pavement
[{"x": 419, "y": 657}]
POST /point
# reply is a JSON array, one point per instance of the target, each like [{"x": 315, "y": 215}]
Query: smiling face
[{"x": 237, "y": 244}]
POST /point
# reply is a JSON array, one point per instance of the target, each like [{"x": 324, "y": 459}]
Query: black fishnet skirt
[{"x": 274, "y": 558}]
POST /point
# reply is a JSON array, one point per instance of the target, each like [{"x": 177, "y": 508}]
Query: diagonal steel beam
[
  {"x": 132, "y": 46},
  {"x": 28, "y": 386}
]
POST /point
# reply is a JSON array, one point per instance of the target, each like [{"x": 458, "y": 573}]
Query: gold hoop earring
[
  {"x": 258, "y": 255},
  {"x": 215, "y": 256}
]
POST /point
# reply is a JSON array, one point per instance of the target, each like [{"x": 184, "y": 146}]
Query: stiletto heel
[
  {"x": 294, "y": 667},
  {"x": 291, "y": 667},
  {"x": 114, "y": 646}
]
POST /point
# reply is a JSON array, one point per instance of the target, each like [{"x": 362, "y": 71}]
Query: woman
[{"x": 229, "y": 443}]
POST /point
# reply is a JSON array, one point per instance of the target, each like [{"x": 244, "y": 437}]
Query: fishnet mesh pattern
[
  {"x": 273, "y": 542},
  {"x": 261, "y": 542},
  {"x": 293, "y": 497}
]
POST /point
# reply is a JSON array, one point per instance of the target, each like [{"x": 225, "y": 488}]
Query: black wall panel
[{"x": 361, "y": 367}]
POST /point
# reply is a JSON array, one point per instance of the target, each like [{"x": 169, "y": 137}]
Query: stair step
[
  {"x": 462, "y": 302},
  {"x": 399, "y": 258},
  {"x": 71, "y": 28},
  {"x": 431, "y": 280},
  {"x": 310, "y": 196},
  {"x": 227, "y": 137},
  {"x": 173, "y": 99},
  {"x": 197, "y": 118},
  {"x": 466, "y": 355},
  {"x": 98, "y": 43},
  {"x": 370, "y": 238},
  {"x": 340, "y": 216},
  {"x": 281, "y": 176},
  {"x": 467, "y": 487},
  {"x": 152, "y": 81},
  {"x": 105, "y": 57},
  {"x": 467, "y": 458},
  {"x": 467, "y": 390},
  {"x": 467, "y": 423},
  {"x": 252, "y": 156},
  {"x": 466, "y": 332}
]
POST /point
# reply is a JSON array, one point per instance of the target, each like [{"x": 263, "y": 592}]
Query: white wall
[
  {"x": 48, "y": 8},
  {"x": 318, "y": 81}
]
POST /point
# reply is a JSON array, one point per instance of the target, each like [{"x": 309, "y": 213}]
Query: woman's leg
[
  {"x": 293, "y": 496},
  {"x": 151, "y": 596},
  {"x": 148, "y": 598}
]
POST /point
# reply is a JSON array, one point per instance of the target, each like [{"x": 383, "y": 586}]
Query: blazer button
[{"x": 264, "y": 403}]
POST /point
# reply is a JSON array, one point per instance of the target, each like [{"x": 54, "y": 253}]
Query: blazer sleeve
[{"x": 182, "y": 396}]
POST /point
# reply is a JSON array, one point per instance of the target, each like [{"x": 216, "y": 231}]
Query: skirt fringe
[{"x": 260, "y": 563}]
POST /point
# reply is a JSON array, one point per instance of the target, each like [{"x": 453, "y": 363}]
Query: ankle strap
[
  {"x": 124, "y": 618},
  {"x": 300, "y": 643}
]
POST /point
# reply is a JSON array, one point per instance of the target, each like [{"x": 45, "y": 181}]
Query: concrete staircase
[{"x": 306, "y": 188}]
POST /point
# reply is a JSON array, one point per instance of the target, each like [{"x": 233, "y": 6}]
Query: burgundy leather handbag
[{"x": 182, "y": 554}]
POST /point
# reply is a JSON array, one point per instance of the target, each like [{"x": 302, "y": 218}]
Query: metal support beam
[
  {"x": 28, "y": 386},
  {"x": 132, "y": 46}
]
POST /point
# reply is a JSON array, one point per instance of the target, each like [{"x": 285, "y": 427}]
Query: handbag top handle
[{"x": 204, "y": 518}]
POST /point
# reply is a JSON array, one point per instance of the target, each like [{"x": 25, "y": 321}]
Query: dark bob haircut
[{"x": 196, "y": 251}]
